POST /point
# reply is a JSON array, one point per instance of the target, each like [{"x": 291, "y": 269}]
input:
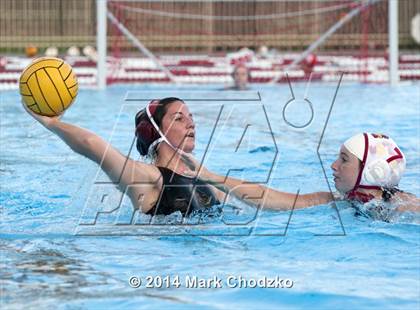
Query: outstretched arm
[
  {"x": 256, "y": 194},
  {"x": 259, "y": 195},
  {"x": 407, "y": 202}
]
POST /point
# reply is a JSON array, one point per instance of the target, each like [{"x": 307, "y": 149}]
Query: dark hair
[
  {"x": 388, "y": 193},
  {"x": 145, "y": 132},
  {"x": 162, "y": 108}
]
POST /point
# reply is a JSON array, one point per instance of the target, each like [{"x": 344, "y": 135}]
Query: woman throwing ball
[
  {"x": 165, "y": 130},
  {"x": 368, "y": 167}
]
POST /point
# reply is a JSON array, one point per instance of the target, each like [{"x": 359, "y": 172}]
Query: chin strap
[
  {"x": 162, "y": 136},
  {"x": 358, "y": 196}
]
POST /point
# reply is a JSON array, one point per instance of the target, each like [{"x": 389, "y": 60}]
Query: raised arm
[{"x": 120, "y": 169}]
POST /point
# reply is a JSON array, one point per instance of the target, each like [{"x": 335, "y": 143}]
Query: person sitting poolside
[
  {"x": 164, "y": 130},
  {"x": 369, "y": 167},
  {"x": 240, "y": 77}
]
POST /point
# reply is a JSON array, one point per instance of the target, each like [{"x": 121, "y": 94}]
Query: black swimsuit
[{"x": 180, "y": 193}]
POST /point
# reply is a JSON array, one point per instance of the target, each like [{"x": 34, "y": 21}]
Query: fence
[{"x": 200, "y": 26}]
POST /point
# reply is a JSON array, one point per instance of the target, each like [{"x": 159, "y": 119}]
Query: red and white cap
[{"x": 383, "y": 163}]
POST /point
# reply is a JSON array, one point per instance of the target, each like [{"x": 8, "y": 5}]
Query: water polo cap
[
  {"x": 148, "y": 132},
  {"x": 383, "y": 163}
]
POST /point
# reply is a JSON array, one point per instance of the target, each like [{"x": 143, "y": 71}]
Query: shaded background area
[{"x": 207, "y": 26}]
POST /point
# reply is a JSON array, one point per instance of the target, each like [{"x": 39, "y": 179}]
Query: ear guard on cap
[
  {"x": 383, "y": 163},
  {"x": 145, "y": 132},
  {"x": 148, "y": 132},
  {"x": 377, "y": 173}
]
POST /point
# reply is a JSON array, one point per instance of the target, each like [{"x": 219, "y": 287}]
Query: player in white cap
[{"x": 368, "y": 167}]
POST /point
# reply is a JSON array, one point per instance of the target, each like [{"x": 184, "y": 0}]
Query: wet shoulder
[{"x": 406, "y": 202}]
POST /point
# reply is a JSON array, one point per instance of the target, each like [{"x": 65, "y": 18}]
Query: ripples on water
[{"x": 358, "y": 256}]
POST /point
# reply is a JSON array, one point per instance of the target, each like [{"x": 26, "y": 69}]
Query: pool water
[{"x": 334, "y": 257}]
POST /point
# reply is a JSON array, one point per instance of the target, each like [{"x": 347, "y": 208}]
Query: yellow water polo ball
[{"x": 48, "y": 86}]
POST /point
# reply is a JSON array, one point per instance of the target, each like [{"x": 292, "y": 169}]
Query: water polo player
[
  {"x": 368, "y": 167},
  {"x": 164, "y": 130},
  {"x": 240, "y": 77}
]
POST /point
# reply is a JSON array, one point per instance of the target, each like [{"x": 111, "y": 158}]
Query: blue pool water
[{"x": 335, "y": 259}]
